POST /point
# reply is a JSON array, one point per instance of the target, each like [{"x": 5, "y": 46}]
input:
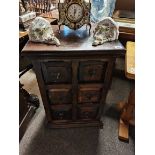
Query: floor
[{"x": 39, "y": 140}]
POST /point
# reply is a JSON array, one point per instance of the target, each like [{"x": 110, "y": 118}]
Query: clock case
[{"x": 64, "y": 20}]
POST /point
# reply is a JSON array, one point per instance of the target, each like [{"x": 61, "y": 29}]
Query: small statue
[
  {"x": 106, "y": 30},
  {"x": 40, "y": 30}
]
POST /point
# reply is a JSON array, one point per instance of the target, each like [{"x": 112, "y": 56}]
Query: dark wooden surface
[
  {"x": 73, "y": 78},
  {"x": 125, "y": 5},
  {"x": 78, "y": 42}
]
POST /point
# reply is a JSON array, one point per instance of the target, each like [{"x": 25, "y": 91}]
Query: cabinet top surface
[{"x": 71, "y": 40}]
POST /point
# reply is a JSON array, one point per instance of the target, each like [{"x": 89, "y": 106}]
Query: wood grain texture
[
  {"x": 129, "y": 108},
  {"x": 123, "y": 131},
  {"x": 125, "y": 5},
  {"x": 74, "y": 88},
  {"x": 130, "y": 60},
  {"x": 42, "y": 89},
  {"x": 73, "y": 42}
]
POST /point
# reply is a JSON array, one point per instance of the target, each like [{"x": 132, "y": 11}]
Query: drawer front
[
  {"x": 87, "y": 113},
  {"x": 61, "y": 113},
  {"x": 92, "y": 71},
  {"x": 56, "y": 72},
  {"x": 60, "y": 96},
  {"x": 89, "y": 94}
]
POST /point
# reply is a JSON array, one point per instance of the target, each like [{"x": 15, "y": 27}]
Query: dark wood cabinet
[{"x": 73, "y": 78}]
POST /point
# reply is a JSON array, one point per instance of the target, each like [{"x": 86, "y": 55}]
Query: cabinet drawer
[
  {"x": 86, "y": 113},
  {"x": 60, "y": 95},
  {"x": 56, "y": 72},
  {"x": 61, "y": 113},
  {"x": 89, "y": 94},
  {"x": 92, "y": 71}
]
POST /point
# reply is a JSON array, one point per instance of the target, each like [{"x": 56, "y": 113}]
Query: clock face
[{"x": 75, "y": 12}]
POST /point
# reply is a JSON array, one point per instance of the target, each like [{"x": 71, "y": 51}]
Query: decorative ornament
[
  {"x": 106, "y": 30},
  {"x": 74, "y": 13},
  {"x": 40, "y": 30}
]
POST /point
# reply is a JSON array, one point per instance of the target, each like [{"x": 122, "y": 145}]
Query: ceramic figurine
[
  {"x": 106, "y": 30},
  {"x": 40, "y": 30}
]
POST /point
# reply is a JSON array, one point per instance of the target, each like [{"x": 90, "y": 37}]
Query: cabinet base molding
[{"x": 76, "y": 124}]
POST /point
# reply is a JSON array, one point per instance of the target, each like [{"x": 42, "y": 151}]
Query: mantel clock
[{"x": 74, "y": 13}]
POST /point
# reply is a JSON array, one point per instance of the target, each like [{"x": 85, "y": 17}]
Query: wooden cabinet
[{"x": 73, "y": 78}]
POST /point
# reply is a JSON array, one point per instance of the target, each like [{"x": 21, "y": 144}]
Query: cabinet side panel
[{"x": 42, "y": 88}]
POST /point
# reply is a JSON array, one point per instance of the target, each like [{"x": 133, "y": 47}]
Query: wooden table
[
  {"x": 127, "y": 115},
  {"x": 73, "y": 78}
]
